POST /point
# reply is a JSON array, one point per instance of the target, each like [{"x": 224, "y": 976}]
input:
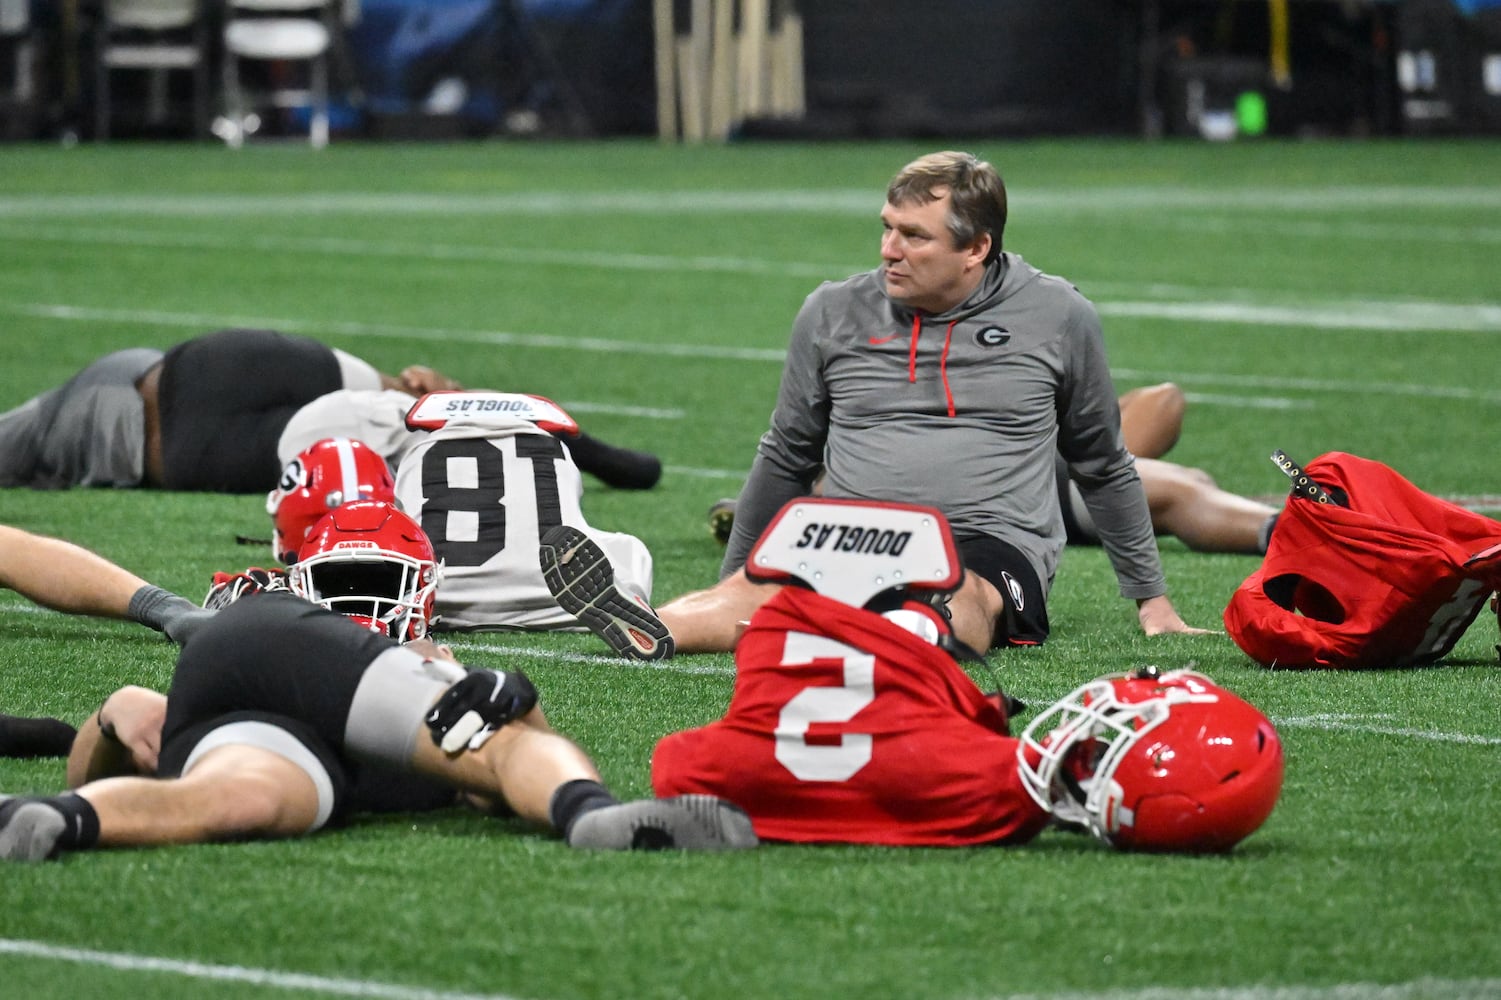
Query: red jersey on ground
[
  {"x": 846, "y": 728},
  {"x": 1392, "y": 580}
]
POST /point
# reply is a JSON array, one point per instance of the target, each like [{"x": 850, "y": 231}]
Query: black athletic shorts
[
  {"x": 225, "y": 398},
  {"x": 273, "y": 652},
  {"x": 275, "y": 658},
  {"x": 1024, "y": 618},
  {"x": 356, "y": 787}
]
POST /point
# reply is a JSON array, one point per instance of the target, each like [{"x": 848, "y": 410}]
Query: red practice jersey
[
  {"x": 1392, "y": 580},
  {"x": 846, "y": 728}
]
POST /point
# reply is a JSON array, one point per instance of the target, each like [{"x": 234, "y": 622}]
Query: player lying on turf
[
  {"x": 284, "y": 716},
  {"x": 71, "y": 579},
  {"x": 852, "y": 721},
  {"x": 488, "y": 477},
  {"x": 224, "y": 412}
]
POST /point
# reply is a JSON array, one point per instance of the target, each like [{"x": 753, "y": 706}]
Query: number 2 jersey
[
  {"x": 846, "y": 728},
  {"x": 485, "y": 496}
]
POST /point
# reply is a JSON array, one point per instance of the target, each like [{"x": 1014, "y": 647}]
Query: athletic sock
[
  {"x": 155, "y": 607},
  {"x": 81, "y": 823},
  {"x": 575, "y": 798},
  {"x": 40, "y": 737},
  {"x": 1264, "y": 536}
]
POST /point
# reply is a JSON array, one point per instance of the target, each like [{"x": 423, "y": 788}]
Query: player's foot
[
  {"x": 722, "y": 519},
  {"x": 684, "y": 822},
  {"x": 582, "y": 581},
  {"x": 29, "y": 829}
]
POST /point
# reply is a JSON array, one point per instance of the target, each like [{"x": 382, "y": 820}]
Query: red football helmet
[
  {"x": 324, "y": 475},
  {"x": 371, "y": 562},
  {"x": 1155, "y": 762}
]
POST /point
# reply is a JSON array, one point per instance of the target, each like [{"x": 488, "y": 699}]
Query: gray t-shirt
[
  {"x": 963, "y": 411},
  {"x": 90, "y": 431}
]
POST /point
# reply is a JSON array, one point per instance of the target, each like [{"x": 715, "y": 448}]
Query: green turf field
[{"x": 1313, "y": 297}]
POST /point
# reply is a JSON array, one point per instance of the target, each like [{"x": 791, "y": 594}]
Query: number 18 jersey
[{"x": 485, "y": 498}]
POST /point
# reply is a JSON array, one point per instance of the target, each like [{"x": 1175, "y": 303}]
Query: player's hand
[
  {"x": 1158, "y": 617},
  {"x": 472, "y": 710},
  {"x": 420, "y": 380},
  {"x": 134, "y": 716},
  {"x": 230, "y": 587}
]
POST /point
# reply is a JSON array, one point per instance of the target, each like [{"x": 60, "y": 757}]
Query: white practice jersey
[{"x": 485, "y": 495}]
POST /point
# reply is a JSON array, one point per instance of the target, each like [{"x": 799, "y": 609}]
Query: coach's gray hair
[{"x": 977, "y": 195}]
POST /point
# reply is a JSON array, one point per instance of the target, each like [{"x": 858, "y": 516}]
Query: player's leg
[
  {"x": 232, "y": 792},
  {"x": 622, "y": 468},
  {"x": 24, "y": 736},
  {"x": 522, "y": 764},
  {"x": 1188, "y": 504},
  {"x": 973, "y": 611},
  {"x": 1152, "y": 419},
  {"x": 712, "y": 620},
  {"x": 538, "y": 773}
]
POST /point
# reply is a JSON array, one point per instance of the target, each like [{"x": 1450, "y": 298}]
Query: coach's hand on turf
[
  {"x": 472, "y": 710},
  {"x": 1158, "y": 617}
]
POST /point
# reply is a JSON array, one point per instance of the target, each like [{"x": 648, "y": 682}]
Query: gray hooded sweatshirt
[{"x": 963, "y": 411}]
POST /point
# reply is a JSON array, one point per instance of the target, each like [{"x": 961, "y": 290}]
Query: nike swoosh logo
[{"x": 878, "y": 341}]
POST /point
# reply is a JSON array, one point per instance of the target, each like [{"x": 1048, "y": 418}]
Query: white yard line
[
  {"x": 470, "y": 641},
  {"x": 1374, "y": 725},
  {"x": 64, "y": 312},
  {"x": 126, "y": 962},
  {"x": 500, "y": 338},
  {"x": 1238, "y": 306},
  {"x": 1434, "y": 316},
  {"x": 1093, "y": 200},
  {"x": 1249, "y": 402},
  {"x": 1417, "y": 989},
  {"x": 486, "y": 254},
  {"x": 1425, "y": 988}
]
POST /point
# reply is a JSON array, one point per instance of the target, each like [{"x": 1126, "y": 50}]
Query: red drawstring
[
  {"x": 943, "y": 360},
  {"x": 912, "y": 348},
  {"x": 943, "y": 366}
]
